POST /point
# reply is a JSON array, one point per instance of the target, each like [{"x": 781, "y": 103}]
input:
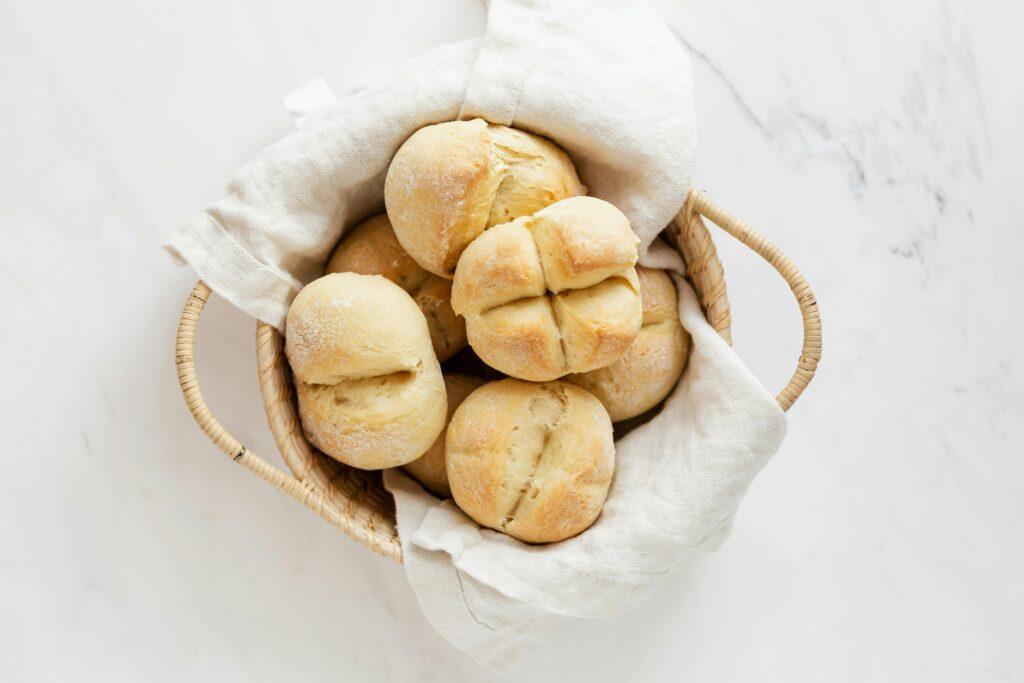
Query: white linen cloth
[
  {"x": 606, "y": 80},
  {"x": 609, "y": 83},
  {"x": 678, "y": 480}
]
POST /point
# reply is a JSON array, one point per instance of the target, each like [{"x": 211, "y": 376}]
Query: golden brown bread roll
[
  {"x": 532, "y": 460},
  {"x": 369, "y": 386},
  {"x": 429, "y": 469},
  {"x": 551, "y": 293},
  {"x": 451, "y": 181},
  {"x": 646, "y": 373},
  {"x": 371, "y": 248}
]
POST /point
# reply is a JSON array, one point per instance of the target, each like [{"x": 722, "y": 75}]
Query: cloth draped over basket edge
[
  {"x": 609, "y": 83},
  {"x": 677, "y": 486}
]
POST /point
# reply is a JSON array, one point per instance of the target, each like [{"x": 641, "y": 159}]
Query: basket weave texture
[{"x": 355, "y": 501}]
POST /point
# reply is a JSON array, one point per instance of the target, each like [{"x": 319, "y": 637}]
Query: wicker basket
[{"x": 355, "y": 500}]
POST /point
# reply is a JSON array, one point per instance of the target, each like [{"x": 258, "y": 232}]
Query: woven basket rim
[{"x": 355, "y": 501}]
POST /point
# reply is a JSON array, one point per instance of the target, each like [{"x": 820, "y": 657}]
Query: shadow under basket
[{"x": 354, "y": 500}]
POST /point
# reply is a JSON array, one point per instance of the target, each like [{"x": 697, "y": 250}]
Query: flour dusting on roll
[
  {"x": 371, "y": 248},
  {"x": 369, "y": 386},
  {"x": 644, "y": 375},
  {"x": 552, "y": 293},
  {"x": 532, "y": 460},
  {"x": 451, "y": 181}
]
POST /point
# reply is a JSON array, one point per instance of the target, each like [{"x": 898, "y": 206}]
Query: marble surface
[{"x": 878, "y": 143}]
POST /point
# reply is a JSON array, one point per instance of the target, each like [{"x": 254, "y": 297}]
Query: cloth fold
[
  {"x": 606, "y": 80},
  {"x": 609, "y": 83},
  {"x": 678, "y": 482},
  {"x": 286, "y": 208}
]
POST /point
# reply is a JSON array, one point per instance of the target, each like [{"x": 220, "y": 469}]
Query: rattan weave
[{"x": 355, "y": 500}]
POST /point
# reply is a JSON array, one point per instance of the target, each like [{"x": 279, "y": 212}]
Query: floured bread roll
[
  {"x": 551, "y": 293},
  {"x": 429, "y": 469},
  {"x": 369, "y": 386},
  {"x": 646, "y": 373},
  {"x": 532, "y": 460},
  {"x": 451, "y": 181},
  {"x": 371, "y": 248}
]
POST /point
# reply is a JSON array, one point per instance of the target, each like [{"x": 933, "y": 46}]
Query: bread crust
[
  {"x": 534, "y": 461},
  {"x": 451, "y": 181},
  {"x": 552, "y": 293},
  {"x": 371, "y": 248},
  {"x": 430, "y": 469},
  {"x": 369, "y": 386},
  {"x": 650, "y": 368}
]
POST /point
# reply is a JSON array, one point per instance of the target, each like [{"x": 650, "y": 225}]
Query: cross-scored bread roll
[
  {"x": 651, "y": 366},
  {"x": 451, "y": 181},
  {"x": 369, "y": 386},
  {"x": 371, "y": 248},
  {"x": 429, "y": 469},
  {"x": 532, "y": 460},
  {"x": 552, "y": 293}
]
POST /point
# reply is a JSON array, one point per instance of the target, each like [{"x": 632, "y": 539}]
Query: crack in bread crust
[
  {"x": 510, "y": 516},
  {"x": 558, "y": 326},
  {"x": 551, "y": 304},
  {"x": 497, "y": 161},
  {"x": 552, "y": 293},
  {"x": 549, "y": 295},
  {"x": 556, "y": 395},
  {"x": 382, "y": 377}
]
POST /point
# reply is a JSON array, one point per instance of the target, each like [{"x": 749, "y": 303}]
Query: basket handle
[
  {"x": 185, "y": 354},
  {"x": 309, "y": 496},
  {"x": 810, "y": 354}
]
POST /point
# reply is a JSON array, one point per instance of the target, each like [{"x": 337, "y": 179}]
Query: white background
[{"x": 879, "y": 144}]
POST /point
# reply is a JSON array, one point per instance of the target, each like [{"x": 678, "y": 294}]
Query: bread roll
[
  {"x": 532, "y": 460},
  {"x": 429, "y": 469},
  {"x": 551, "y": 293},
  {"x": 451, "y": 181},
  {"x": 369, "y": 386},
  {"x": 371, "y": 248},
  {"x": 646, "y": 373}
]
